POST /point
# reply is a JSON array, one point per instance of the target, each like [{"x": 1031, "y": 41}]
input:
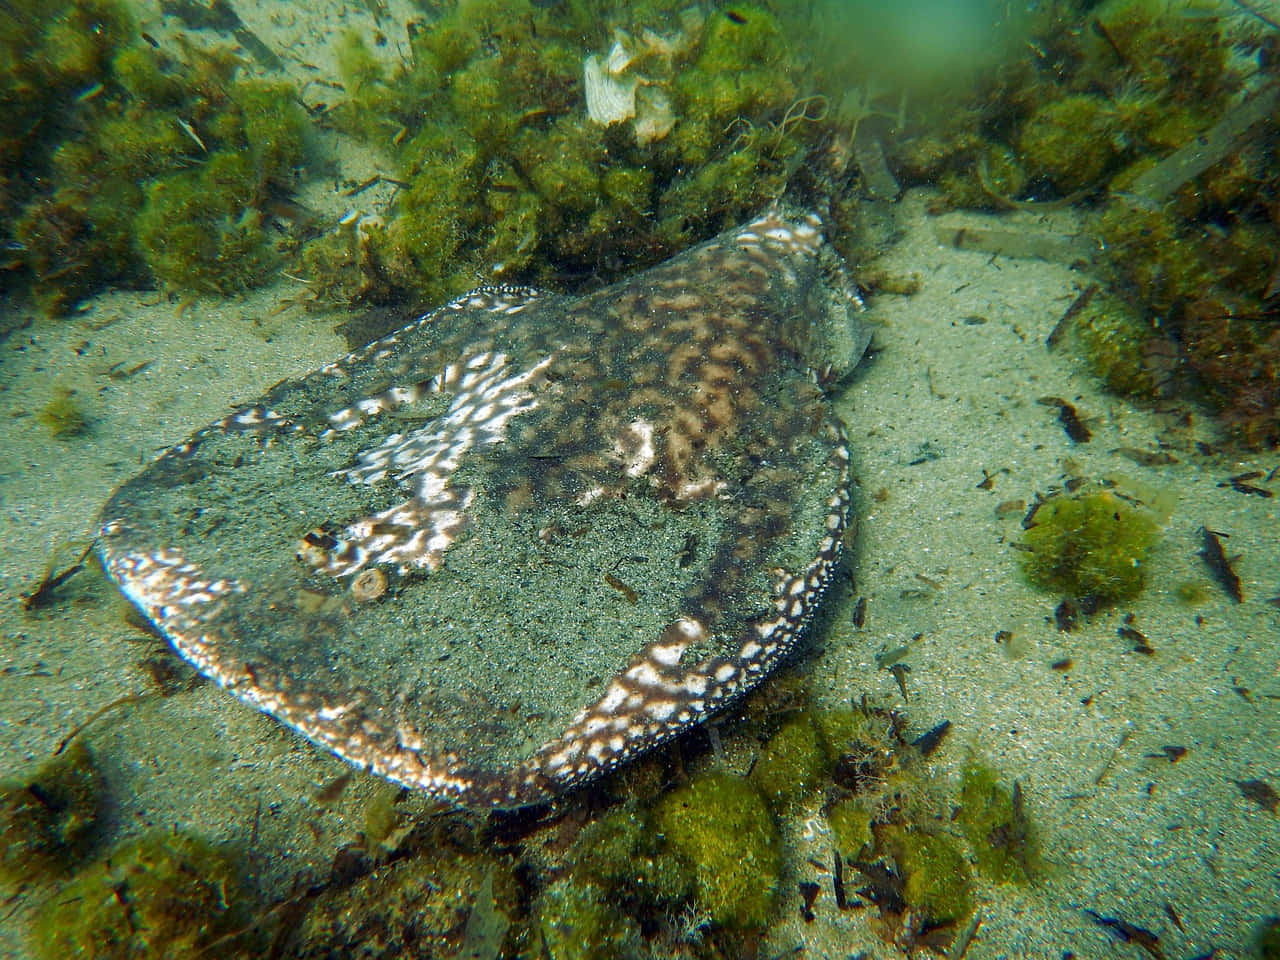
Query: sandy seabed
[
  {"x": 949, "y": 394},
  {"x": 951, "y": 390}
]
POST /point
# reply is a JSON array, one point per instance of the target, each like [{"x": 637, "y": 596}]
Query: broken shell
[{"x": 609, "y": 99}]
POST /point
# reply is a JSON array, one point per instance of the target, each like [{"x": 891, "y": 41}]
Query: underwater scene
[{"x": 571, "y": 480}]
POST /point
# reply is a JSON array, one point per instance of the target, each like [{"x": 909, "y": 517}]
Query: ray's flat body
[{"x": 526, "y": 537}]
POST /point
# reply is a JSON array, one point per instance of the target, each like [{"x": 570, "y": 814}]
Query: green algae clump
[
  {"x": 620, "y": 876},
  {"x": 436, "y": 903},
  {"x": 578, "y": 921},
  {"x": 622, "y": 852},
  {"x": 158, "y": 895},
  {"x": 791, "y": 765},
  {"x": 937, "y": 880},
  {"x": 1090, "y": 547},
  {"x": 126, "y": 155},
  {"x": 508, "y": 177},
  {"x": 865, "y": 731},
  {"x": 721, "y": 827},
  {"x": 48, "y": 819},
  {"x": 64, "y": 416},
  {"x": 1117, "y": 341},
  {"x": 1070, "y": 141},
  {"x": 995, "y": 822},
  {"x": 850, "y": 822},
  {"x": 198, "y": 233},
  {"x": 205, "y": 229}
]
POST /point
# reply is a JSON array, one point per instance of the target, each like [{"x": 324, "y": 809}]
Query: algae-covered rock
[
  {"x": 850, "y": 821},
  {"x": 1162, "y": 258},
  {"x": 996, "y": 823},
  {"x": 791, "y": 764},
  {"x": 159, "y": 895},
  {"x": 1070, "y": 141},
  {"x": 937, "y": 882},
  {"x": 1182, "y": 59},
  {"x": 1093, "y": 546},
  {"x": 434, "y": 904},
  {"x": 1116, "y": 341},
  {"x": 124, "y": 152},
  {"x": 844, "y": 730},
  {"x": 48, "y": 818},
  {"x": 508, "y": 176},
  {"x": 578, "y": 921},
  {"x": 198, "y": 232},
  {"x": 720, "y": 826},
  {"x": 623, "y": 853}
]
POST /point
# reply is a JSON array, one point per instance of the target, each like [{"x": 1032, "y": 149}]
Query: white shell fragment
[
  {"x": 611, "y": 97},
  {"x": 654, "y": 116}
]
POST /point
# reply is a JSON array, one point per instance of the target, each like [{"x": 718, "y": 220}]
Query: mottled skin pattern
[{"x": 681, "y": 385}]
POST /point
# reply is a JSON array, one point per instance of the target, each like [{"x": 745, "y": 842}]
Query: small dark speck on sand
[
  {"x": 1261, "y": 793},
  {"x": 1219, "y": 563}
]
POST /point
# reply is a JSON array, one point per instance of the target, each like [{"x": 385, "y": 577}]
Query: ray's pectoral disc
[{"x": 525, "y": 537}]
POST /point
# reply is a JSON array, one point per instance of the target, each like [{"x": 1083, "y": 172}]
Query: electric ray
[{"x": 526, "y": 537}]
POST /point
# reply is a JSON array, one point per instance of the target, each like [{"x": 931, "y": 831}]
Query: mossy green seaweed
[
  {"x": 1092, "y": 546},
  {"x": 199, "y": 232},
  {"x": 1119, "y": 344},
  {"x": 721, "y": 827},
  {"x": 419, "y": 904},
  {"x": 158, "y": 895},
  {"x": 48, "y": 819},
  {"x": 937, "y": 883},
  {"x": 64, "y": 415},
  {"x": 1071, "y": 142},
  {"x": 578, "y": 921},
  {"x": 790, "y": 765},
  {"x": 623, "y": 853},
  {"x": 850, "y": 821},
  {"x": 125, "y": 155},
  {"x": 508, "y": 178},
  {"x": 998, "y": 827}
]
